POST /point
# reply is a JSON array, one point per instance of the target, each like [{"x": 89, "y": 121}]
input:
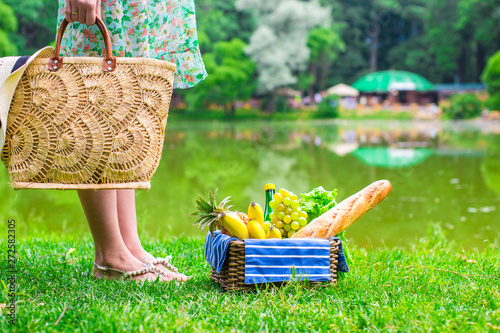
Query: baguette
[{"x": 342, "y": 215}]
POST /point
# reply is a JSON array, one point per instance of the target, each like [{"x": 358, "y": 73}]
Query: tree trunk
[
  {"x": 323, "y": 74},
  {"x": 270, "y": 102},
  {"x": 229, "y": 109},
  {"x": 480, "y": 61},
  {"x": 374, "y": 50},
  {"x": 233, "y": 109},
  {"x": 313, "y": 72},
  {"x": 461, "y": 66}
]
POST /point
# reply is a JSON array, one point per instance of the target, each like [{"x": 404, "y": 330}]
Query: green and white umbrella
[
  {"x": 385, "y": 81},
  {"x": 392, "y": 157}
]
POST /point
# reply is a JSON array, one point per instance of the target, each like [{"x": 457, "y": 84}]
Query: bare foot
[
  {"x": 169, "y": 275},
  {"x": 124, "y": 263}
]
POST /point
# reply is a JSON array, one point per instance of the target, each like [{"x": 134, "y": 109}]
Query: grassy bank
[
  {"x": 432, "y": 285},
  {"x": 246, "y": 114}
]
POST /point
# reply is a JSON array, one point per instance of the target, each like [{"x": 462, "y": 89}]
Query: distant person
[
  {"x": 317, "y": 98},
  {"x": 153, "y": 29}
]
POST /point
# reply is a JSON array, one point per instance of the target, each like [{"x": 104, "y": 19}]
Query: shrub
[
  {"x": 328, "y": 107},
  {"x": 491, "y": 76},
  {"x": 464, "y": 106}
]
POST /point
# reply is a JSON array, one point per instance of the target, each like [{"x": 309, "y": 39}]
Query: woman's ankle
[{"x": 139, "y": 252}]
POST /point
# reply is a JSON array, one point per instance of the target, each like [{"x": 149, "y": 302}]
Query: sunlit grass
[
  {"x": 431, "y": 285},
  {"x": 289, "y": 114}
]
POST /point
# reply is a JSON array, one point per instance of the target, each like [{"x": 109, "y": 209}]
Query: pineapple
[{"x": 213, "y": 215}]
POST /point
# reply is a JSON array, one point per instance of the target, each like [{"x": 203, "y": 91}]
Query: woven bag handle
[{"x": 109, "y": 62}]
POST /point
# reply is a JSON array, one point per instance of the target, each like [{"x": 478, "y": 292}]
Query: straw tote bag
[{"x": 88, "y": 122}]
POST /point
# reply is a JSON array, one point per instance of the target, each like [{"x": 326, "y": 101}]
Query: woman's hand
[{"x": 83, "y": 11}]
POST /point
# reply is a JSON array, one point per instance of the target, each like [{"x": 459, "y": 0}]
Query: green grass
[
  {"x": 430, "y": 286},
  {"x": 373, "y": 114},
  {"x": 240, "y": 114},
  {"x": 291, "y": 114}
]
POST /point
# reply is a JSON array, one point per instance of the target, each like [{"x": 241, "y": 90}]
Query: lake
[{"x": 441, "y": 172}]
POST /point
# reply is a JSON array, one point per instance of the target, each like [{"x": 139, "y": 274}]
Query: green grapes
[
  {"x": 302, "y": 221},
  {"x": 273, "y": 204},
  {"x": 287, "y": 216}
]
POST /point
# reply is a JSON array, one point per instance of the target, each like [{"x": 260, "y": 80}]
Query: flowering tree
[{"x": 279, "y": 44}]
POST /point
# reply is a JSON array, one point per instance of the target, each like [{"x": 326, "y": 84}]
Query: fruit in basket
[
  {"x": 255, "y": 229},
  {"x": 273, "y": 233},
  {"x": 256, "y": 213},
  {"x": 213, "y": 215},
  {"x": 288, "y": 212}
]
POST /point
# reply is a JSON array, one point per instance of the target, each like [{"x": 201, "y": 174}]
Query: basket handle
[{"x": 108, "y": 63}]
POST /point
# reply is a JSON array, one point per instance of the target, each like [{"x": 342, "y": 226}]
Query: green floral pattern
[{"x": 159, "y": 29}]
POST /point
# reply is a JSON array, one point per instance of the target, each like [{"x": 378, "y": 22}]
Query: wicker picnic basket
[
  {"x": 232, "y": 274},
  {"x": 88, "y": 122}
]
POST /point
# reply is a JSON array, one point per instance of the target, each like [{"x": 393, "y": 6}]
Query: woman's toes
[{"x": 172, "y": 275}]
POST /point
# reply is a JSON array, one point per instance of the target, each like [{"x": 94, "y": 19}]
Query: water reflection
[
  {"x": 441, "y": 172},
  {"x": 490, "y": 167}
]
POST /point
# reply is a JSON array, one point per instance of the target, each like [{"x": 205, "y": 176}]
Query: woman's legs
[
  {"x": 110, "y": 249},
  {"x": 127, "y": 220}
]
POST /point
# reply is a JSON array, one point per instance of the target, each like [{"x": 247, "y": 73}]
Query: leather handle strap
[{"x": 109, "y": 62}]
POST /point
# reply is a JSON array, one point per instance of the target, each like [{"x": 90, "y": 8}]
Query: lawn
[
  {"x": 291, "y": 114},
  {"x": 430, "y": 285}
]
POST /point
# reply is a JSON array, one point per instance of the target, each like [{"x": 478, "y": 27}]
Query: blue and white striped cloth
[
  {"x": 267, "y": 260},
  {"x": 216, "y": 248}
]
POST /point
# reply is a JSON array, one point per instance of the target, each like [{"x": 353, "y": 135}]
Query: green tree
[
  {"x": 328, "y": 107},
  {"x": 37, "y": 24},
  {"x": 491, "y": 76},
  {"x": 480, "y": 18},
  {"x": 231, "y": 72},
  {"x": 463, "y": 106},
  {"x": 8, "y": 23},
  {"x": 325, "y": 44},
  {"x": 221, "y": 21}
]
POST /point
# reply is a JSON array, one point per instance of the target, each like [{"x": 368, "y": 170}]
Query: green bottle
[{"x": 270, "y": 189}]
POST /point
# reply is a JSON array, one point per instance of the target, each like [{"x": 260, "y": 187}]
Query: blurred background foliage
[
  {"x": 463, "y": 106},
  {"x": 258, "y": 46},
  {"x": 491, "y": 76}
]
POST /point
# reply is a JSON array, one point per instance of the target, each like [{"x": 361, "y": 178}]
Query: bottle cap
[{"x": 269, "y": 187}]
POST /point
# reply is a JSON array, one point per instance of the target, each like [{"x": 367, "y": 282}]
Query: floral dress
[{"x": 159, "y": 29}]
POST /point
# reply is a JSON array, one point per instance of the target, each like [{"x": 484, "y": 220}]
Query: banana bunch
[
  {"x": 233, "y": 223},
  {"x": 255, "y": 225},
  {"x": 215, "y": 215}
]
